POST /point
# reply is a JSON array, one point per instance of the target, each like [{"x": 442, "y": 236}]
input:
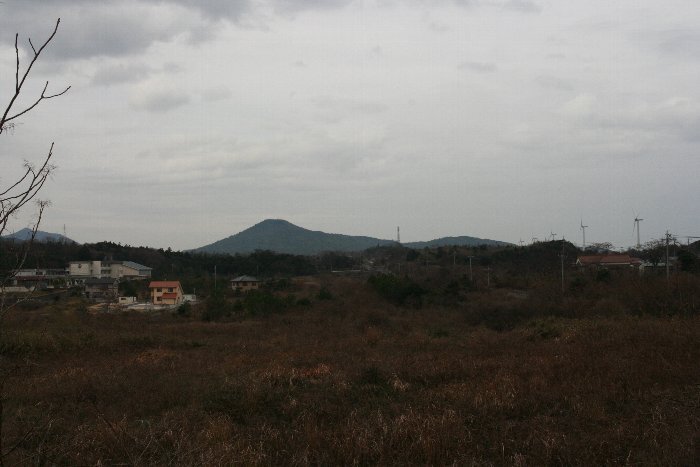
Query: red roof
[
  {"x": 164, "y": 284},
  {"x": 169, "y": 295},
  {"x": 612, "y": 260}
]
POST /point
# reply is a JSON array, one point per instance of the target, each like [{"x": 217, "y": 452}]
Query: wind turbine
[
  {"x": 637, "y": 220},
  {"x": 583, "y": 229},
  {"x": 552, "y": 234}
]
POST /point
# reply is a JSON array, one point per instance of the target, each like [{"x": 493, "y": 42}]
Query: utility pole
[
  {"x": 668, "y": 276},
  {"x": 471, "y": 274},
  {"x": 215, "y": 277}
]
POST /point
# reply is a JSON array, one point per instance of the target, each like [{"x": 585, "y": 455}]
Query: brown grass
[{"x": 351, "y": 380}]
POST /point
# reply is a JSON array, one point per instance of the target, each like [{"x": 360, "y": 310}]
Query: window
[
  {"x": 158, "y": 289},
  {"x": 170, "y": 289}
]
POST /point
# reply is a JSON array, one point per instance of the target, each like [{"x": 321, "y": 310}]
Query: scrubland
[{"x": 492, "y": 377}]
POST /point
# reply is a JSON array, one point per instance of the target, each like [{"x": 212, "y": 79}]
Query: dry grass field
[{"x": 349, "y": 380}]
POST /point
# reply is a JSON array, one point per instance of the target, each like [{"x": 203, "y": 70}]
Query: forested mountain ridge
[{"x": 284, "y": 237}]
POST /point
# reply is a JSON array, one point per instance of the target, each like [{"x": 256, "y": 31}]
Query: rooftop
[
  {"x": 609, "y": 259},
  {"x": 165, "y": 284},
  {"x": 136, "y": 266},
  {"x": 245, "y": 279}
]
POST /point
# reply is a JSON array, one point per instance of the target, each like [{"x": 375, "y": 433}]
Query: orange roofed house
[{"x": 166, "y": 292}]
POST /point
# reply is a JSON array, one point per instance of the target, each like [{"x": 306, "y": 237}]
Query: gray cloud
[
  {"x": 217, "y": 93},
  {"x": 120, "y": 74},
  {"x": 680, "y": 42},
  {"x": 552, "y": 82},
  {"x": 86, "y": 30},
  {"x": 215, "y": 9},
  {"x": 296, "y": 6},
  {"x": 524, "y": 6},
  {"x": 154, "y": 97},
  {"x": 117, "y": 28},
  {"x": 127, "y": 27},
  {"x": 478, "y": 67},
  {"x": 670, "y": 120},
  {"x": 334, "y": 109},
  {"x": 204, "y": 92}
]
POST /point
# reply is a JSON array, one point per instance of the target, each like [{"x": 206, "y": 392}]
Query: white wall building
[{"x": 113, "y": 269}]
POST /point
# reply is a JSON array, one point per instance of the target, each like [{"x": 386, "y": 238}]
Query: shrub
[
  {"x": 216, "y": 307},
  {"x": 603, "y": 275},
  {"x": 324, "y": 294},
  {"x": 544, "y": 328},
  {"x": 372, "y": 375},
  {"x": 398, "y": 290},
  {"x": 263, "y": 302},
  {"x": 184, "y": 309}
]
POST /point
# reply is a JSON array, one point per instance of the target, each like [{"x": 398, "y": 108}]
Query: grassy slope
[{"x": 351, "y": 380}]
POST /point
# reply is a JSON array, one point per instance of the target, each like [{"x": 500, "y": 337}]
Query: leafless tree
[{"x": 17, "y": 194}]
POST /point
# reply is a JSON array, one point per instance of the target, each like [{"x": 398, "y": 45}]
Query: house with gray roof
[{"x": 245, "y": 283}]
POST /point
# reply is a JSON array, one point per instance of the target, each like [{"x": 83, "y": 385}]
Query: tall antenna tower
[
  {"x": 583, "y": 229},
  {"x": 398, "y": 234},
  {"x": 637, "y": 220}
]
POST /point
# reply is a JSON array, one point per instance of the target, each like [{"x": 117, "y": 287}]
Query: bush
[
  {"x": 263, "y": 302},
  {"x": 398, "y": 290},
  {"x": 184, "y": 310},
  {"x": 216, "y": 307},
  {"x": 603, "y": 275},
  {"x": 324, "y": 294}
]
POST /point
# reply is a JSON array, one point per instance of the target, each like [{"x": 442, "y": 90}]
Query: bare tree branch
[
  {"x": 13, "y": 199},
  {"x": 25, "y": 189},
  {"x": 20, "y": 82}
]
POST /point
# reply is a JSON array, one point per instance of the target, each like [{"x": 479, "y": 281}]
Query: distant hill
[
  {"x": 284, "y": 237},
  {"x": 456, "y": 241},
  {"x": 41, "y": 236}
]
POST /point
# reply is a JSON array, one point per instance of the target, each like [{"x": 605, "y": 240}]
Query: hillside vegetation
[
  {"x": 430, "y": 369},
  {"x": 284, "y": 237}
]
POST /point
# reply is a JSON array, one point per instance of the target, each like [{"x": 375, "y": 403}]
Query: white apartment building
[{"x": 113, "y": 269}]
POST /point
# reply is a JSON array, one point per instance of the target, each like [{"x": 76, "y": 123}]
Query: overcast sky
[{"x": 189, "y": 121}]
